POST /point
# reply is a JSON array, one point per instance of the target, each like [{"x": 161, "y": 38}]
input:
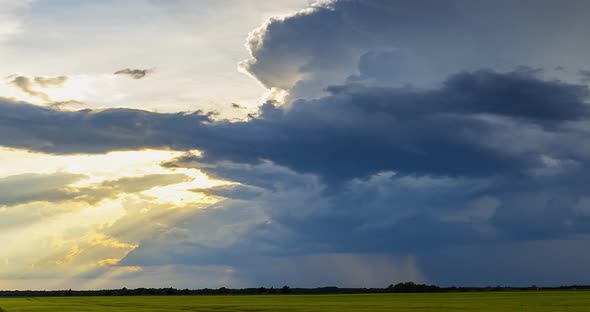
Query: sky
[{"x": 248, "y": 143}]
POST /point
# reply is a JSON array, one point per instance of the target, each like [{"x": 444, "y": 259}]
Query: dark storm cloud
[
  {"x": 453, "y": 227},
  {"x": 516, "y": 95},
  {"x": 392, "y": 142},
  {"x": 488, "y": 159},
  {"x": 87, "y": 131},
  {"x": 459, "y": 129},
  {"x": 549, "y": 262},
  {"x": 408, "y": 149},
  {"x": 387, "y": 214},
  {"x": 134, "y": 73},
  {"x": 362, "y": 130}
]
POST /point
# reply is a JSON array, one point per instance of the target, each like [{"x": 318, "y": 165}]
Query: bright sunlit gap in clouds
[{"x": 69, "y": 237}]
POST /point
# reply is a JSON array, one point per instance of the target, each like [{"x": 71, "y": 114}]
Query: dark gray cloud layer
[
  {"x": 87, "y": 131},
  {"x": 460, "y": 129}
]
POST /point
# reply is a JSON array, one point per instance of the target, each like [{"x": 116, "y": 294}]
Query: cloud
[
  {"x": 548, "y": 262},
  {"x": 37, "y": 187},
  {"x": 368, "y": 128},
  {"x": 127, "y": 185},
  {"x": 61, "y": 225},
  {"x": 61, "y": 104},
  {"x": 386, "y": 214},
  {"x": 235, "y": 191},
  {"x": 58, "y": 187},
  {"x": 134, "y": 73},
  {"x": 423, "y": 41},
  {"x": 311, "y": 270},
  {"x": 403, "y": 141},
  {"x": 94, "y": 131},
  {"x": 48, "y": 82},
  {"x": 64, "y": 257},
  {"x": 379, "y": 214},
  {"x": 31, "y": 199},
  {"x": 357, "y": 171},
  {"x": 142, "y": 183},
  {"x": 27, "y": 85},
  {"x": 31, "y": 85},
  {"x": 584, "y": 75}
]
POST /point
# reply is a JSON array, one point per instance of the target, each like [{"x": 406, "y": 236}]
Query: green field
[{"x": 539, "y": 301}]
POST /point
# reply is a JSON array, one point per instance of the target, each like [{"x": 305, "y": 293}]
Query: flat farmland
[{"x": 538, "y": 301}]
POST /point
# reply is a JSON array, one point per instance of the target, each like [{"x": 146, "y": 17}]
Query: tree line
[{"x": 406, "y": 287}]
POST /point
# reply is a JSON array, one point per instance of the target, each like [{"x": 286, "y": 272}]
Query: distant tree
[
  {"x": 411, "y": 287},
  {"x": 286, "y": 289},
  {"x": 405, "y": 287}
]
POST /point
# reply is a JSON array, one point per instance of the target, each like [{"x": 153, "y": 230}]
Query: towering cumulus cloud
[
  {"x": 424, "y": 140},
  {"x": 417, "y": 42}
]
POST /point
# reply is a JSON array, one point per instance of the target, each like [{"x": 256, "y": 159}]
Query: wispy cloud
[
  {"x": 27, "y": 85},
  {"x": 134, "y": 73}
]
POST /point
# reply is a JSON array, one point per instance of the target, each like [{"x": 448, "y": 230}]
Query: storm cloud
[
  {"x": 369, "y": 129},
  {"x": 414, "y": 130}
]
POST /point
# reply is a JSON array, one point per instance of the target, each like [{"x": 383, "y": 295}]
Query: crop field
[{"x": 537, "y": 301}]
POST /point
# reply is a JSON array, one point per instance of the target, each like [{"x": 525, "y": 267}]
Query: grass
[{"x": 538, "y": 301}]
